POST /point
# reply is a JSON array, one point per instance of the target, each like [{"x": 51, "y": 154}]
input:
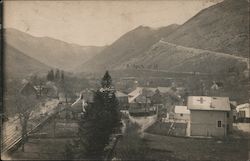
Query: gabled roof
[
  {"x": 142, "y": 99},
  {"x": 132, "y": 95},
  {"x": 148, "y": 92},
  {"x": 208, "y": 103},
  {"x": 141, "y": 94},
  {"x": 120, "y": 94},
  {"x": 27, "y": 89},
  {"x": 243, "y": 106},
  {"x": 164, "y": 89}
]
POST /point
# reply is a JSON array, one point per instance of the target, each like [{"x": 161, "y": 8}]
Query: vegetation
[
  {"x": 24, "y": 105},
  {"x": 99, "y": 121},
  {"x": 131, "y": 146}
]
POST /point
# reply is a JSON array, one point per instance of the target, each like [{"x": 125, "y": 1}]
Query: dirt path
[
  {"x": 243, "y": 59},
  {"x": 143, "y": 122}
]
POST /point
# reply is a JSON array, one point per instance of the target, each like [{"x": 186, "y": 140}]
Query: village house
[
  {"x": 209, "y": 116},
  {"x": 181, "y": 114},
  {"x": 139, "y": 101},
  {"x": 28, "y": 90},
  {"x": 86, "y": 97},
  {"x": 147, "y": 99},
  {"x": 122, "y": 99},
  {"x": 41, "y": 90},
  {"x": 243, "y": 112}
]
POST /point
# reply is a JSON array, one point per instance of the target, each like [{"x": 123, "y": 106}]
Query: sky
[{"x": 96, "y": 23}]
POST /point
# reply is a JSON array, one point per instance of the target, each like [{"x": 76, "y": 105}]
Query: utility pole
[{"x": 54, "y": 126}]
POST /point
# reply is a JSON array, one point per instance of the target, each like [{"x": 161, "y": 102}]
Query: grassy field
[
  {"x": 50, "y": 146},
  {"x": 46, "y": 148},
  {"x": 197, "y": 149},
  {"x": 162, "y": 128},
  {"x": 233, "y": 148}
]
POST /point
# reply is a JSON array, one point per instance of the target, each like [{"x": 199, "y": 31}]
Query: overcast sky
[{"x": 95, "y": 22}]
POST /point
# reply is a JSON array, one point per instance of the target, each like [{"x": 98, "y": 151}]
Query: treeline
[{"x": 55, "y": 76}]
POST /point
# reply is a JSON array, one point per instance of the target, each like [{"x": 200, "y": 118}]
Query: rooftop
[
  {"x": 208, "y": 103},
  {"x": 181, "y": 110},
  {"x": 243, "y": 106},
  {"x": 120, "y": 94}
]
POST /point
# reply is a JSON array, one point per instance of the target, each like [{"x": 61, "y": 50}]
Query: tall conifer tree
[{"x": 99, "y": 121}]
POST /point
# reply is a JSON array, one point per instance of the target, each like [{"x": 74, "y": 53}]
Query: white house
[
  {"x": 243, "y": 112},
  {"x": 181, "y": 113},
  {"x": 209, "y": 116}
]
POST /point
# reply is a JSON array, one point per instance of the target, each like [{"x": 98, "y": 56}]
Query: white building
[
  {"x": 209, "y": 116},
  {"x": 243, "y": 112},
  {"x": 181, "y": 113}
]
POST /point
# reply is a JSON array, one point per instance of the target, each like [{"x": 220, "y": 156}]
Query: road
[
  {"x": 143, "y": 122},
  {"x": 12, "y": 128},
  {"x": 240, "y": 58}
]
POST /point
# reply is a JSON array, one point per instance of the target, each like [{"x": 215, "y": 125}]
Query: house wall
[
  {"x": 184, "y": 117},
  {"x": 205, "y": 123},
  {"x": 230, "y": 121},
  {"x": 140, "y": 108},
  {"x": 123, "y": 102},
  {"x": 246, "y": 112}
]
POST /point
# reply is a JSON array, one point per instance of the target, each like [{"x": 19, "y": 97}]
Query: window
[
  {"x": 227, "y": 114},
  {"x": 219, "y": 124},
  {"x": 181, "y": 114}
]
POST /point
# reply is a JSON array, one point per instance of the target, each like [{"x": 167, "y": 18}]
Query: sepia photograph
[{"x": 121, "y": 80}]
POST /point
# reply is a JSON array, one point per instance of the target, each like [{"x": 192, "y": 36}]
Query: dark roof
[
  {"x": 28, "y": 89},
  {"x": 120, "y": 94}
]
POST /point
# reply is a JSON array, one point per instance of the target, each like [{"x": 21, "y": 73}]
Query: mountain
[
  {"x": 213, "y": 41},
  {"x": 55, "y": 53},
  {"x": 19, "y": 65},
  {"x": 130, "y": 46},
  {"x": 223, "y": 27}
]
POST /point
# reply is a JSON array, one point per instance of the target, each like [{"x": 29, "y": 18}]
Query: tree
[
  {"x": 24, "y": 106},
  {"x": 57, "y": 75},
  {"x": 50, "y": 75},
  {"x": 99, "y": 121},
  {"x": 62, "y": 75},
  {"x": 106, "y": 80}
]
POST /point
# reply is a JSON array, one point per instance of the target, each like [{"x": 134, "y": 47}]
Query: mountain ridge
[
  {"x": 129, "y": 46},
  {"x": 217, "y": 29},
  {"x": 50, "y": 51},
  {"x": 19, "y": 65},
  {"x": 223, "y": 27}
]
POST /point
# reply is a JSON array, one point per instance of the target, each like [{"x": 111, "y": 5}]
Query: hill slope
[
  {"x": 19, "y": 65},
  {"x": 50, "y": 51},
  {"x": 223, "y": 27},
  {"x": 204, "y": 43},
  {"x": 128, "y": 47},
  {"x": 176, "y": 58}
]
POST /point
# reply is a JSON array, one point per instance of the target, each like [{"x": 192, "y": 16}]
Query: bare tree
[{"x": 24, "y": 106}]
